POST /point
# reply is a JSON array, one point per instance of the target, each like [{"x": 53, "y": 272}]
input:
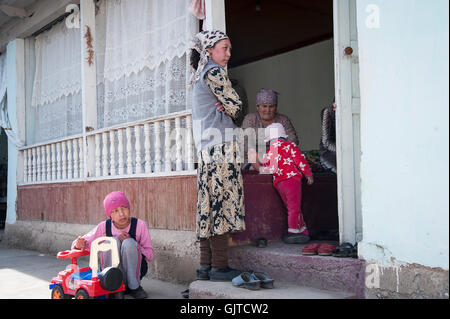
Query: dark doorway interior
[{"x": 264, "y": 28}]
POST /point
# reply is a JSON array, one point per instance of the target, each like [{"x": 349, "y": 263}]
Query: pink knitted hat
[{"x": 114, "y": 200}]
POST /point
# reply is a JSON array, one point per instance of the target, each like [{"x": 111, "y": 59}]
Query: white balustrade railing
[
  {"x": 53, "y": 161},
  {"x": 157, "y": 146}
]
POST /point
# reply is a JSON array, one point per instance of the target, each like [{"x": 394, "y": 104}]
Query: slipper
[
  {"x": 326, "y": 249},
  {"x": 185, "y": 294},
  {"x": 344, "y": 250},
  {"x": 247, "y": 281},
  {"x": 310, "y": 250},
  {"x": 355, "y": 251},
  {"x": 261, "y": 243},
  {"x": 266, "y": 281}
]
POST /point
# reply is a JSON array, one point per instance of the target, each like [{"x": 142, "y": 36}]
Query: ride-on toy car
[{"x": 89, "y": 282}]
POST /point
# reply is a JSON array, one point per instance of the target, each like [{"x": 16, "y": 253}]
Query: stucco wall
[
  {"x": 404, "y": 131},
  {"x": 11, "y": 90}
]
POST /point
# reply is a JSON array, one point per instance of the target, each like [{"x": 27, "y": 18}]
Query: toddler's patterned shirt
[{"x": 285, "y": 160}]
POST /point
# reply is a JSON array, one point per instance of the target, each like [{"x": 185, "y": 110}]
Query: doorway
[{"x": 297, "y": 48}]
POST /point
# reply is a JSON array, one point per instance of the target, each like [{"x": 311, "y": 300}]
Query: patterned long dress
[{"x": 220, "y": 202}]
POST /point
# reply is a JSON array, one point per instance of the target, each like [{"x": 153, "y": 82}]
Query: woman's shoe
[
  {"x": 223, "y": 274},
  {"x": 203, "y": 272},
  {"x": 345, "y": 250},
  {"x": 290, "y": 238},
  {"x": 326, "y": 249},
  {"x": 310, "y": 249},
  {"x": 266, "y": 281},
  {"x": 246, "y": 280}
]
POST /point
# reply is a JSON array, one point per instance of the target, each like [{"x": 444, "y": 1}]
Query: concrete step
[
  {"x": 285, "y": 263},
  {"x": 225, "y": 290}
]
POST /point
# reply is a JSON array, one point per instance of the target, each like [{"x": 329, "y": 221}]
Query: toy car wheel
[
  {"x": 58, "y": 293},
  {"x": 81, "y": 294}
]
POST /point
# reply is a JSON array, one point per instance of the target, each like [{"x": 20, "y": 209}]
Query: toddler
[
  {"x": 133, "y": 242},
  {"x": 286, "y": 162}
]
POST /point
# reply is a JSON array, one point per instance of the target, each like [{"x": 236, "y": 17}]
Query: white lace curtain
[
  {"x": 142, "y": 65},
  {"x": 4, "y": 118},
  {"x": 57, "y": 83},
  {"x": 141, "y": 61}
]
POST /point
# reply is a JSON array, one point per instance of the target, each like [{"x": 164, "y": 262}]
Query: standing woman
[{"x": 220, "y": 202}]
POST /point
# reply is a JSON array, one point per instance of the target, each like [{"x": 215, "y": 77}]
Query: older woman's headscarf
[
  {"x": 202, "y": 41},
  {"x": 266, "y": 96}
]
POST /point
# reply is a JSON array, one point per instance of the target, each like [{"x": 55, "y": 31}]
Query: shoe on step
[
  {"x": 326, "y": 249},
  {"x": 246, "y": 280},
  {"x": 266, "y": 281},
  {"x": 203, "y": 272},
  {"x": 290, "y": 238},
  {"x": 223, "y": 274},
  {"x": 310, "y": 250}
]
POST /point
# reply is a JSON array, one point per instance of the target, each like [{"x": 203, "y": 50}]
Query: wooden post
[
  {"x": 215, "y": 15},
  {"x": 88, "y": 83}
]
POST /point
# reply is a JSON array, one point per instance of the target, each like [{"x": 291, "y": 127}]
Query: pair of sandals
[
  {"x": 253, "y": 280},
  {"x": 346, "y": 250}
]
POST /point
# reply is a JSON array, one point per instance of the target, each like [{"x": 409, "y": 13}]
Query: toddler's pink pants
[{"x": 291, "y": 193}]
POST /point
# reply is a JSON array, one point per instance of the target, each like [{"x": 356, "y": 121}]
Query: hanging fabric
[
  {"x": 57, "y": 83},
  {"x": 4, "y": 119},
  {"x": 143, "y": 73}
]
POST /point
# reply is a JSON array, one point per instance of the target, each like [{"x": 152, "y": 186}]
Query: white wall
[
  {"x": 404, "y": 132},
  {"x": 305, "y": 80},
  {"x": 12, "y": 92}
]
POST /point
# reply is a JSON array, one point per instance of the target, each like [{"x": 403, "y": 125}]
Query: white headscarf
[{"x": 201, "y": 42}]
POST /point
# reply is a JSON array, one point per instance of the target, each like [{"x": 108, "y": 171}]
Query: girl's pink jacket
[{"x": 142, "y": 236}]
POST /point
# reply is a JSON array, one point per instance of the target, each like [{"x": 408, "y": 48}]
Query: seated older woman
[{"x": 266, "y": 105}]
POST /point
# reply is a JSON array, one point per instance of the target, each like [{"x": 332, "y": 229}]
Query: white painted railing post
[
  {"x": 120, "y": 150},
  {"x": 81, "y": 157},
  {"x": 129, "y": 150},
  {"x": 49, "y": 163},
  {"x": 30, "y": 166},
  {"x": 148, "y": 165},
  {"x": 157, "y": 147},
  {"x": 178, "y": 141},
  {"x": 53, "y": 161},
  {"x": 137, "y": 135},
  {"x": 58, "y": 160},
  {"x": 105, "y": 153},
  {"x": 39, "y": 164},
  {"x": 189, "y": 142},
  {"x": 112, "y": 153},
  {"x": 168, "y": 163},
  {"x": 75, "y": 159},
  {"x": 97, "y": 155},
  {"x": 69, "y": 160},
  {"x": 63, "y": 160},
  {"x": 33, "y": 163},
  {"x": 25, "y": 166}
]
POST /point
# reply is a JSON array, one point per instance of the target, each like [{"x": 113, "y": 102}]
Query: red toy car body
[{"x": 79, "y": 282}]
